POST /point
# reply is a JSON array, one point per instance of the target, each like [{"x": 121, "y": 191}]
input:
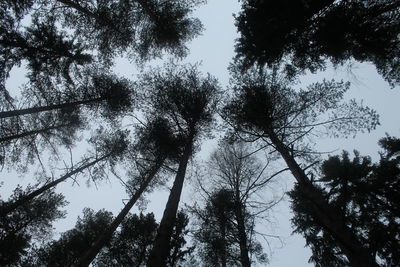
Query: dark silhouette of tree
[
  {"x": 143, "y": 28},
  {"x": 128, "y": 246},
  {"x": 112, "y": 147},
  {"x": 66, "y": 250},
  {"x": 237, "y": 175},
  {"x": 188, "y": 101},
  {"x": 100, "y": 91},
  {"x": 55, "y": 118},
  {"x": 306, "y": 34},
  {"x": 366, "y": 194},
  {"x": 28, "y": 222},
  {"x": 177, "y": 251},
  {"x": 265, "y": 109},
  {"x": 217, "y": 236},
  {"x": 23, "y": 140},
  {"x": 157, "y": 145},
  {"x": 131, "y": 244}
]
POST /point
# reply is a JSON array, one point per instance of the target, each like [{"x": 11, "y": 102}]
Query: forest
[{"x": 210, "y": 151}]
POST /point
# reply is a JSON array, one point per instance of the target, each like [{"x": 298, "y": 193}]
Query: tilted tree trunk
[
  {"x": 19, "y": 112},
  {"x": 9, "y": 207},
  {"x": 34, "y": 132},
  {"x": 88, "y": 256},
  {"x": 223, "y": 248},
  {"x": 244, "y": 252},
  {"x": 159, "y": 253},
  {"x": 328, "y": 216}
]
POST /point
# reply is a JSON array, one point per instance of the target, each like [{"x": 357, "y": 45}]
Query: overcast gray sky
[{"x": 214, "y": 48}]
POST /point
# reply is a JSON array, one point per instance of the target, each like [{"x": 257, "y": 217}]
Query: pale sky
[{"x": 214, "y": 48}]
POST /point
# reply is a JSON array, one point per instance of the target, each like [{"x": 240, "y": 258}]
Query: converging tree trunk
[
  {"x": 159, "y": 253},
  {"x": 329, "y": 217},
  {"x": 71, "y": 105},
  {"x": 244, "y": 252},
  {"x": 34, "y": 132},
  {"x": 102, "y": 240},
  {"x": 9, "y": 207}
]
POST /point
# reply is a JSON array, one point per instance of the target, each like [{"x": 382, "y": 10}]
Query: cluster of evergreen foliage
[{"x": 346, "y": 209}]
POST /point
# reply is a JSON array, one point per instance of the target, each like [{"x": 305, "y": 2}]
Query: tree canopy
[
  {"x": 171, "y": 129},
  {"x": 307, "y": 34}
]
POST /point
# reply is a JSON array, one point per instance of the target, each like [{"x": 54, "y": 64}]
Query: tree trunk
[
  {"x": 244, "y": 252},
  {"x": 159, "y": 253},
  {"x": 223, "y": 248},
  {"x": 328, "y": 216},
  {"x": 88, "y": 256},
  {"x": 13, "y": 113},
  {"x": 34, "y": 132},
  {"x": 9, "y": 207}
]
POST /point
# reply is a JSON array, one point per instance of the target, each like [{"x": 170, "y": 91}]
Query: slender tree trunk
[
  {"x": 34, "y": 132},
  {"x": 244, "y": 252},
  {"x": 328, "y": 216},
  {"x": 223, "y": 244},
  {"x": 13, "y": 113},
  {"x": 88, "y": 256},
  {"x": 159, "y": 253},
  {"x": 9, "y": 207}
]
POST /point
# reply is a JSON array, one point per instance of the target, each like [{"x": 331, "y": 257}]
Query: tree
[
  {"x": 158, "y": 145},
  {"x": 98, "y": 91},
  {"x": 307, "y": 34},
  {"x": 188, "y": 101},
  {"x": 215, "y": 234},
  {"x": 177, "y": 252},
  {"x": 366, "y": 194},
  {"x": 66, "y": 250},
  {"x": 112, "y": 150},
  {"x": 131, "y": 244},
  {"x": 140, "y": 28},
  {"x": 55, "y": 117},
  {"x": 265, "y": 109},
  {"x": 30, "y": 221},
  {"x": 238, "y": 179}
]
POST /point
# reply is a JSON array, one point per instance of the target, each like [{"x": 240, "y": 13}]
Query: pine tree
[
  {"x": 307, "y": 34},
  {"x": 188, "y": 101},
  {"x": 366, "y": 194},
  {"x": 266, "y": 109}
]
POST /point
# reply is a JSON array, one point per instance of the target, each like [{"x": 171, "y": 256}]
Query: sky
[{"x": 215, "y": 50}]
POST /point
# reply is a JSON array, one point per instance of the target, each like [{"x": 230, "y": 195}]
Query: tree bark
[
  {"x": 159, "y": 253},
  {"x": 328, "y": 216},
  {"x": 13, "y": 113},
  {"x": 9, "y": 207},
  {"x": 223, "y": 248},
  {"x": 88, "y": 256},
  {"x": 244, "y": 252}
]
